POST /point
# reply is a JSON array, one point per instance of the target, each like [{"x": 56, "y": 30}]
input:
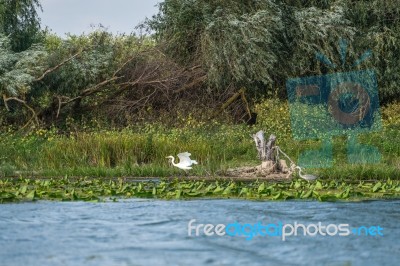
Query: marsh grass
[
  {"x": 130, "y": 153},
  {"x": 125, "y": 152},
  {"x": 141, "y": 151}
]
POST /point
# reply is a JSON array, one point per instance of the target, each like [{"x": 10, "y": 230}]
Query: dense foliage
[
  {"x": 200, "y": 54},
  {"x": 20, "y": 21},
  {"x": 259, "y": 44}
]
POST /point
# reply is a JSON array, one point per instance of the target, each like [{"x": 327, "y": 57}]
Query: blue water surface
[{"x": 155, "y": 232}]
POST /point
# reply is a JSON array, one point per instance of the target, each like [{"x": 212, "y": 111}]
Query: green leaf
[
  {"x": 307, "y": 194},
  {"x": 31, "y": 195},
  {"x": 23, "y": 189},
  {"x": 279, "y": 195},
  {"x": 316, "y": 194},
  {"x": 227, "y": 191},
  {"x": 200, "y": 186},
  {"x": 218, "y": 189},
  {"x": 318, "y": 185},
  {"x": 124, "y": 188},
  {"x": 345, "y": 194},
  {"x": 244, "y": 191},
  {"x": 377, "y": 187},
  {"x": 261, "y": 187}
]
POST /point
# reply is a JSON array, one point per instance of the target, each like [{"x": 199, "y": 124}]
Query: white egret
[
  {"x": 185, "y": 162},
  {"x": 306, "y": 177}
]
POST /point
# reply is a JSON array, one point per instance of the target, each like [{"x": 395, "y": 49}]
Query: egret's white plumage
[
  {"x": 185, "y": 162},
  {"x": 306, "y": 177}
]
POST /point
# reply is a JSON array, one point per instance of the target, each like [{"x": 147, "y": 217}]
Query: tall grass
[
  {"x": 142, "y": 151},
  {"x": 127, "y": 152}
]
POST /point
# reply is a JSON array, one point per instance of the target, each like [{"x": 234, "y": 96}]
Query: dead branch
[
  {"x": 124, "y": 64},
  {"x": 57, "y": 66},
  {"x": 96, "y": 88},
  {"x": 5, "y": 102},
  {"x": 34, "y": 115},
  {"x": 87, "y": 92},
  {"x": 233, "y": 98},
  {"x": 191, "y": 84}
]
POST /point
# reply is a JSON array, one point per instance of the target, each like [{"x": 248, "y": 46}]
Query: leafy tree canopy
[{"x": 19, "y": 20}]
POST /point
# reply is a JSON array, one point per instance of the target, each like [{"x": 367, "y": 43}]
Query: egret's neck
[{"x": 173, "y": 161}]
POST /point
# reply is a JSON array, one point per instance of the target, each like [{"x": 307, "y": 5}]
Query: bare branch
[
  {"x": 96, "y": 87},
  {"x": 191, "y": 84},
  {"x": 34, "y": 115},
  {"x": 57, "y": 66},
  {"x": 5, "y": 102}
]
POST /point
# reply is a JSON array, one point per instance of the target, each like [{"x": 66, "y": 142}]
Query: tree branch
[
  {"x": 57, "y": 66},
  {"x": 34, "y": 115}
]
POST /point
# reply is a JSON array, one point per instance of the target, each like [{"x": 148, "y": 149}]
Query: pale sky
[{"x": 77, "y": 16}]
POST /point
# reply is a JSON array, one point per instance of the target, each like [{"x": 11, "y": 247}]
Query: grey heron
[{"x": 306, "y": 177}]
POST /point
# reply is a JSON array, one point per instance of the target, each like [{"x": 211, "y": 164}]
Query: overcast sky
[{"x": 77, "y": 16}]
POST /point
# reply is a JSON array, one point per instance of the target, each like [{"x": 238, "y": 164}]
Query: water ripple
[{"x": 152, "y": 232}]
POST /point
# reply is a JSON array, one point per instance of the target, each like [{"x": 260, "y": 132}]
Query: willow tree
[
  {"x": 18, "y": 71},
  {"x": 259, "y": 44},
  {"x": 19, "y": 21},
  {"x": 256, "y": 44},
  {"x": 378, "y": 28}
]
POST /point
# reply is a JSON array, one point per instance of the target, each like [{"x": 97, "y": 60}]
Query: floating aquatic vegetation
[{"x": 90, "y": 189}]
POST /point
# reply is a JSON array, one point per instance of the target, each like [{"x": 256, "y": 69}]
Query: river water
[{"x": 155, "y": 232}]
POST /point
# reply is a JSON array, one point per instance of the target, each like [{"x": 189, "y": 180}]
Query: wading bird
[
  {"x": 185, "y": 162},
  {"x": 306, "y": 177}
]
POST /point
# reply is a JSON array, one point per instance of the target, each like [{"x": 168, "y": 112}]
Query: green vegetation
[
  {"x": 104, "y": 105},
  {"x": 19, "y": 20},
  {"x": 141, "y": 151},
  {"x": 201, "y": 53},
  {"x": 99, "y": 189},
  {"x": 259, "y": 44}
]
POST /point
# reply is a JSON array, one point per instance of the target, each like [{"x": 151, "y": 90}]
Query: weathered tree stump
[
  {"x": 268, "y": 153},
  {"x": 269, "y": 148}
]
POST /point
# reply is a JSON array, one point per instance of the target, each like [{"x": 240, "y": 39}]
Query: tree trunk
[{"x": 265, "y": 151}]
